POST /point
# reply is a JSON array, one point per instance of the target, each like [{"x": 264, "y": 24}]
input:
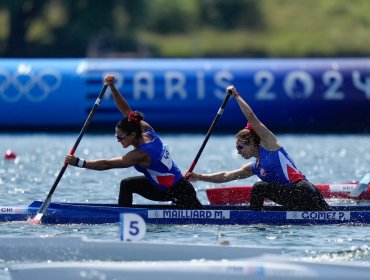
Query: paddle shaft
[
  {"x": 219, "y": 113},
  {"x": 361, "y": 187},
  {"x": 46, "y": 203}
]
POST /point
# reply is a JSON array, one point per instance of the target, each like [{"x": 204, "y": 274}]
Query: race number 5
[{"x": 132, "y": 227}]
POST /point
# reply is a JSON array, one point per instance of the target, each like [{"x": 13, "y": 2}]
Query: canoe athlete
[
  {"x": 281, "y": 181},
  {"x": 162, "y": 180}
]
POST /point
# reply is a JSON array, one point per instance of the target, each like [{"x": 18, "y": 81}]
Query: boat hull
[{"x": 76, "y": 213}]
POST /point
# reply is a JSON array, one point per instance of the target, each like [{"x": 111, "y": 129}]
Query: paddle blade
[
  {"x": 36, "y": 220},
  {"x": 361, "y": 187}
]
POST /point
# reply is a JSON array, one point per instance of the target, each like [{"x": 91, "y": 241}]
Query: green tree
[
  {"x": 172, "y": 16},
  {"x": 34, "y": 30},
  {"x": 231, "y": 14},
  {"x": 21, "y": 14}
]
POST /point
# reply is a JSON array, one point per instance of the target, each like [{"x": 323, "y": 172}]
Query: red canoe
[{"x": 242, "y": 194}]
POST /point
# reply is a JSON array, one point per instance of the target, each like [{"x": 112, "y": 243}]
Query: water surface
[{"x": 323, "y": 158}]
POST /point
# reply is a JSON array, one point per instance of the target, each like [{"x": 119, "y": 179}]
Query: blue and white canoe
[{"x": 87, "y": 213}]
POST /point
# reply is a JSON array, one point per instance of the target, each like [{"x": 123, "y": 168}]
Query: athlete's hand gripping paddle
[{"x": 45, "y": 204}]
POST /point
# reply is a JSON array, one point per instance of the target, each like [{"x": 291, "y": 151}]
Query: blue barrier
[{"x": 310, "y": 95}]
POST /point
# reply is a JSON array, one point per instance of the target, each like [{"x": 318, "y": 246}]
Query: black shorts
[
  {"x": 302, "y": 196},
  {"x": 182, "y": 194}
]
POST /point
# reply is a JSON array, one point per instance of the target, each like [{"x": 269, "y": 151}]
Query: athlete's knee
[
  {"x": 259, "y": 188},
  {"x": 126, "y": 192},
  {"x": 126, "y": 184},
  {"x": 125, "y": 181}
]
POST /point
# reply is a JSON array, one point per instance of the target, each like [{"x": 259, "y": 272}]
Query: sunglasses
[
  {"x": 239, "y": 147},
  {"x": 120, "y": 137}
]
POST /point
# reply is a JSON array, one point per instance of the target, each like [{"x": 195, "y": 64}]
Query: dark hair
[
  {"x": 131, "y": 123},
  {"x": 248, "y": 137}
]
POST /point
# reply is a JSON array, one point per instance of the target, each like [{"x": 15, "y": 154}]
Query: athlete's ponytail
[
  {"x": 131, "y": 123},
  {"x": 135, "y": 116}
]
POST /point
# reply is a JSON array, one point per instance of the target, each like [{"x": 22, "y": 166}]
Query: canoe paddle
[
  {"x": 361, "y": 187},
  {"x": 218, "y": 115},
  {"x": 45, "y": 204}
]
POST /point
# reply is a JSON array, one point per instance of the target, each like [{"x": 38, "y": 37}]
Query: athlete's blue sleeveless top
[
  {"x": 162, "y": 172},
  {"x": 276, "y": 167}
]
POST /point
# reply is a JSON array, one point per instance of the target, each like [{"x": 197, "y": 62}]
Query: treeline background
[{"x": 184, "y": 28}]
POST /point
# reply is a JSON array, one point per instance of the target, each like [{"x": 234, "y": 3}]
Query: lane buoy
[{"x": 9, "y": 155}]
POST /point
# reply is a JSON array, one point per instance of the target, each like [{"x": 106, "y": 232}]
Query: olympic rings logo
[{"x": 35, "y": 86}]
